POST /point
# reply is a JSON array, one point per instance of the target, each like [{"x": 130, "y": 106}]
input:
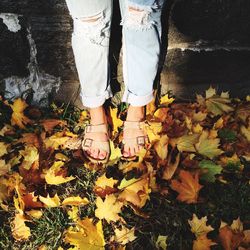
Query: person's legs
[
  {"x": 90, "y": 43},
  {"x": 141, "y": 48}
]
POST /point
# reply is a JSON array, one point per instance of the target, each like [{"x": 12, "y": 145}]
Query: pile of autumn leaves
[{"x": 190, "y": 144}]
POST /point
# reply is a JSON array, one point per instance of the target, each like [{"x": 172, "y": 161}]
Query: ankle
[
  {"x": 136, "y": 113},
  {"x": 97, "y": 116}
]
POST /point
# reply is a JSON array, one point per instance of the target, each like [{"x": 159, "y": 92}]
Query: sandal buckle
[
  {"x": 87, "y": 142},
  {"x": 141, "y": 140},
  {"x": 88, "y": 128}
]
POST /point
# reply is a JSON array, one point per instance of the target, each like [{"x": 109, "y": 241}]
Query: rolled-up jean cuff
[
  {"x": 95, "y": 101},
  {"x": 136, "y": 100}
]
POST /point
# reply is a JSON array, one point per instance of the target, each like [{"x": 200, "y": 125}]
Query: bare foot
[
  {"x": 134, "y": 114},
  {"x": 98, "y": 116}
]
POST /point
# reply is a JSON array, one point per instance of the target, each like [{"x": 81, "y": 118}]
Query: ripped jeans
[{"x": 141, "y": 20}]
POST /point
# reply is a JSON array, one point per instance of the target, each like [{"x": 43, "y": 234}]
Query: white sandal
[
  {"x": 141, "y": 140},
  {"x": 88, "y": 143}
]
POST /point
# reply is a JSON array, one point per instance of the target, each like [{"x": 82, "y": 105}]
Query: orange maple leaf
[{"x": 188, "y": 187}]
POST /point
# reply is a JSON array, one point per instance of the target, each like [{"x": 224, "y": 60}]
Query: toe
[
  {"x": 126, "y": 151},
  {"x": 102, "y": 155},
  {"x": 131, "y": 151},
  {"x": 95, "y": 153}
]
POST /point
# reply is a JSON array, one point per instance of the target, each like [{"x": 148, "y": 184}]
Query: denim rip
[
  {"x": 138, "y": 15},
  {"x": 94, "y": 28}
]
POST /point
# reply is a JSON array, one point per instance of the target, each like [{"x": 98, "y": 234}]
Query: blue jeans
[{"x": 141, "y": 20}]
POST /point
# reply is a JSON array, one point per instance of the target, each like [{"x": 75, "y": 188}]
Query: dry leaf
[
  {"x": 49, "y": 201},
  {"x": 108, "y": 209},
  {"x": 75, "y": 201},
  {"x": 202, "y": 243},
  {"x": 87, "y": 237},
  {"x": 199, "y": 226},
  {"x": 208, "y": 147},
  {"x": 19, "y": 230},
  {"x": 188, "y": 187},
  {"x": 124, "y": 235},
  {"x": 53, "y": 176},
  {"x": 18, "y": 118}
]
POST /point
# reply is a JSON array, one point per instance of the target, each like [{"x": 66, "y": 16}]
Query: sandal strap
[
  {"x": 134, "y": 124},
  {"x": 96, "y": 128},
  {"x": 103, "y": 145},
  {"x": 139, "y": 140}
]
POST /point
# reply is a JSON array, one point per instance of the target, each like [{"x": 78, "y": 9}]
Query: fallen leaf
[
  {"x": 87, "y": 237},
  {"x": 188, "y": 187},
  {"x": 203, "y": 243},
  {"x": 246, "y": 132},
  {"x": 108, "y": 209},
  {"x": 50, "y": 201},
  {"x": 161, "y": 242},
  {"x": 135, "y": 191},
  {"x": 116, "y": 121},
  {"x": 49, "y": 124},
  {"x": 165, "y": 100},
  {"x": 19, "y": 230},
  {"x": 31, "y": 156},
  {"x": 3, "y": 149},
  {"x": 75, "y": 201},
  {"x": 199, "y": 226},
  {"x": 161, "y": 147},
  {"x": 124, "y": 235},
  {"x": 18, "y": 118},
  {"x": 208, "y": 147},
  {"x": 209, "y": 170},
  {"x": 53, "y": 177},
  {"x": 4, "y": 167}
]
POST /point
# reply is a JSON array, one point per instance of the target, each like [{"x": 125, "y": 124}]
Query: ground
[{"x": 189, "y": 189}]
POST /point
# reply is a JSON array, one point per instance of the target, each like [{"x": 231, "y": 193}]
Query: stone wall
[{"x": 206, "y": 42}]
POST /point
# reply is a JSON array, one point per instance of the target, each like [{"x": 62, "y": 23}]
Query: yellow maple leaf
[
  {"x": 150, "y": 109},
  {"x": 75, "y": 201},
  {"x": 203, "y": 243},
  {"x": 135, "y": 191},
  {"x": 246, "y": 132},
  {"x": 185, "y": 143},
  {"x": 18, "y": 118},
  {"x": 210, "y": 92},
  {"x": 115, "y": 154},
  {"x": 124, "y": 235},
  {"x": 37, "y": 214},
  {"x": 3, "y": 149},
  {"x": 52, "y": 176},
  {"x": 153, "y": 131},
  {"x": 108, "y": 209},
  {"x": 31, "y": 155},
  {"x": 171, "y": 166},
  {"x": 116, "y": 121},
  {"x": 237, "y": 225},
  {"x": 8, "y": 184},
  {"x": 73, "y": 212},
  {"x": 59, "y": 139},
  {"x": 19, "y": 229},
  {"x": 50, "y": 201},
  {"x": 208, "y": 147},
  {"x": 86, "y": 236},
  {"x": 4, "y": 167},
  {"x": 165, "y": 100},
  {"x": 199, "y": 226},
  {"x": 104, "y": 182},
  {"x": 161, "y": 242},
  {"x": 188, "y": 187},
  {"x": 161, "y": 147},
  {"x": 161, "y": 114}
]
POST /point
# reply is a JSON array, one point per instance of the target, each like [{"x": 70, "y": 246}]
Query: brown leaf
[{"x": 188, "y": 187}]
